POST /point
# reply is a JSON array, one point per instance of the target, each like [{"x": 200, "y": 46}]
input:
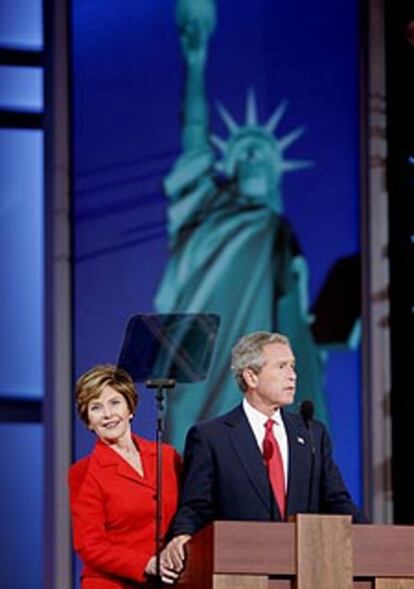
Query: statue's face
[{"x": 255, "y": 168}]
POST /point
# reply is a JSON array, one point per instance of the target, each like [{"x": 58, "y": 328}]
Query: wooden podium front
[{"x": 314, "y": 552}]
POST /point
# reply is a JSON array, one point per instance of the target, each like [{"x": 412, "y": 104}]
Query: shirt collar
[
  {"x": 257, "y": 416},
  {"x": 257, "y": 420}
]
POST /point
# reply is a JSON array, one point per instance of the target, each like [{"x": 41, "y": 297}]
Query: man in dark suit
[{"x": 257, "y": 462}]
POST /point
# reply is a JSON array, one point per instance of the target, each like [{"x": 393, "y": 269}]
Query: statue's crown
[{"x": 251, "y": 135}]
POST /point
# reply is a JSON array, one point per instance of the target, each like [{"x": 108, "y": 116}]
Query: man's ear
[{"x": 250, "y": 377}]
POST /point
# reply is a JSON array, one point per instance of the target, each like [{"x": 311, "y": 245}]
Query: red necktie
[{"x": 274, "y": 464}]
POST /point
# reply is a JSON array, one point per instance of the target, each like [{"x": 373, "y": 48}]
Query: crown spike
[
  {"x": 227, "y": 119},
  {"x": 276, "y": 117},
  {"x": 251, "y": 108},
  {"x": 292, "y": 165},
  {"x": 219, "y": 143},
  {"x": 287, "y": 140}
]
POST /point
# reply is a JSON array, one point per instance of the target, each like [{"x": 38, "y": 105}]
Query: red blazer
[{"x": 113, "y": 512}]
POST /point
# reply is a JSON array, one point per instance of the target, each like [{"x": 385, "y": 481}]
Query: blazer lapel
[
  {"x": 108, "y": 457},
  {"x": 148, "y": 451},
  {"x": 248, "y": 452},
  {"x": 299, "y": 464}
]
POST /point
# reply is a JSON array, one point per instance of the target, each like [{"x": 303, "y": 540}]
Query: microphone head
[{"x": 307, "y": 410}]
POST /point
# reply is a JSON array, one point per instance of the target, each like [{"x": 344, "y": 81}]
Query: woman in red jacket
[{"x": 113, "y": 490}]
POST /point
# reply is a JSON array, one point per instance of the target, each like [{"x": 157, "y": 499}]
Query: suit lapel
[
  {"x": 299, "y": 463},
  {"x": 247, "y": 450}
]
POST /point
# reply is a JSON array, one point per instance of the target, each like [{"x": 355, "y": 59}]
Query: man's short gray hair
[{"x": 248, "y": 353}]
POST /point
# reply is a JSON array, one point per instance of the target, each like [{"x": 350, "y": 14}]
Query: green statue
[{"x": 232, "y": 251}]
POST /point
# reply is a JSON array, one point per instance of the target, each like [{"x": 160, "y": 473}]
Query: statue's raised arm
[
  {"x": 190, "y": 185},
  {"x": 196, "y": 21}
]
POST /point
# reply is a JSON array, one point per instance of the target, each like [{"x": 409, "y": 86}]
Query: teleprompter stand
[
  {"x": 162, "y": 350},
  {"x": 160, "y": 385}
]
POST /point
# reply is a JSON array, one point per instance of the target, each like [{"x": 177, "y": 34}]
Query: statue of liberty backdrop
[{"x": 232, "y": 251}]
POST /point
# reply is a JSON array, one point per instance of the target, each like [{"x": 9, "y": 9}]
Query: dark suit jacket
[
  {"x": 225, "y": 478},
  {"x": 113, "y": 513}
]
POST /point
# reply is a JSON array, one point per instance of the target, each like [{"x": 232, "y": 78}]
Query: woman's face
[{"x": 109, "y": 416}]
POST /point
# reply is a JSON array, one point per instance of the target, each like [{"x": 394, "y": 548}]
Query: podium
[{"x": 311, "y": 552}]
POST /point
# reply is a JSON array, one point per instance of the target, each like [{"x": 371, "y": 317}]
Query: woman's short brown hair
[{"x": 91, "y": 383}]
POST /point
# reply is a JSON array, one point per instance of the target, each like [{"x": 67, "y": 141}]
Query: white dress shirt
[{"x": 257, "y": 422}]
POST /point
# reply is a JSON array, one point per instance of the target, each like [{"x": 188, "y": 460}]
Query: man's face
[{"x": 274, "y": 386}]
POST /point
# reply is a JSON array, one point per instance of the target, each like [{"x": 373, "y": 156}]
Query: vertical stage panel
[{"x": 324, "y": 552}]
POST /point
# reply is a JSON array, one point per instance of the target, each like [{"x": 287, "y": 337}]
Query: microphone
[{"x": 307, "y": 410}]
